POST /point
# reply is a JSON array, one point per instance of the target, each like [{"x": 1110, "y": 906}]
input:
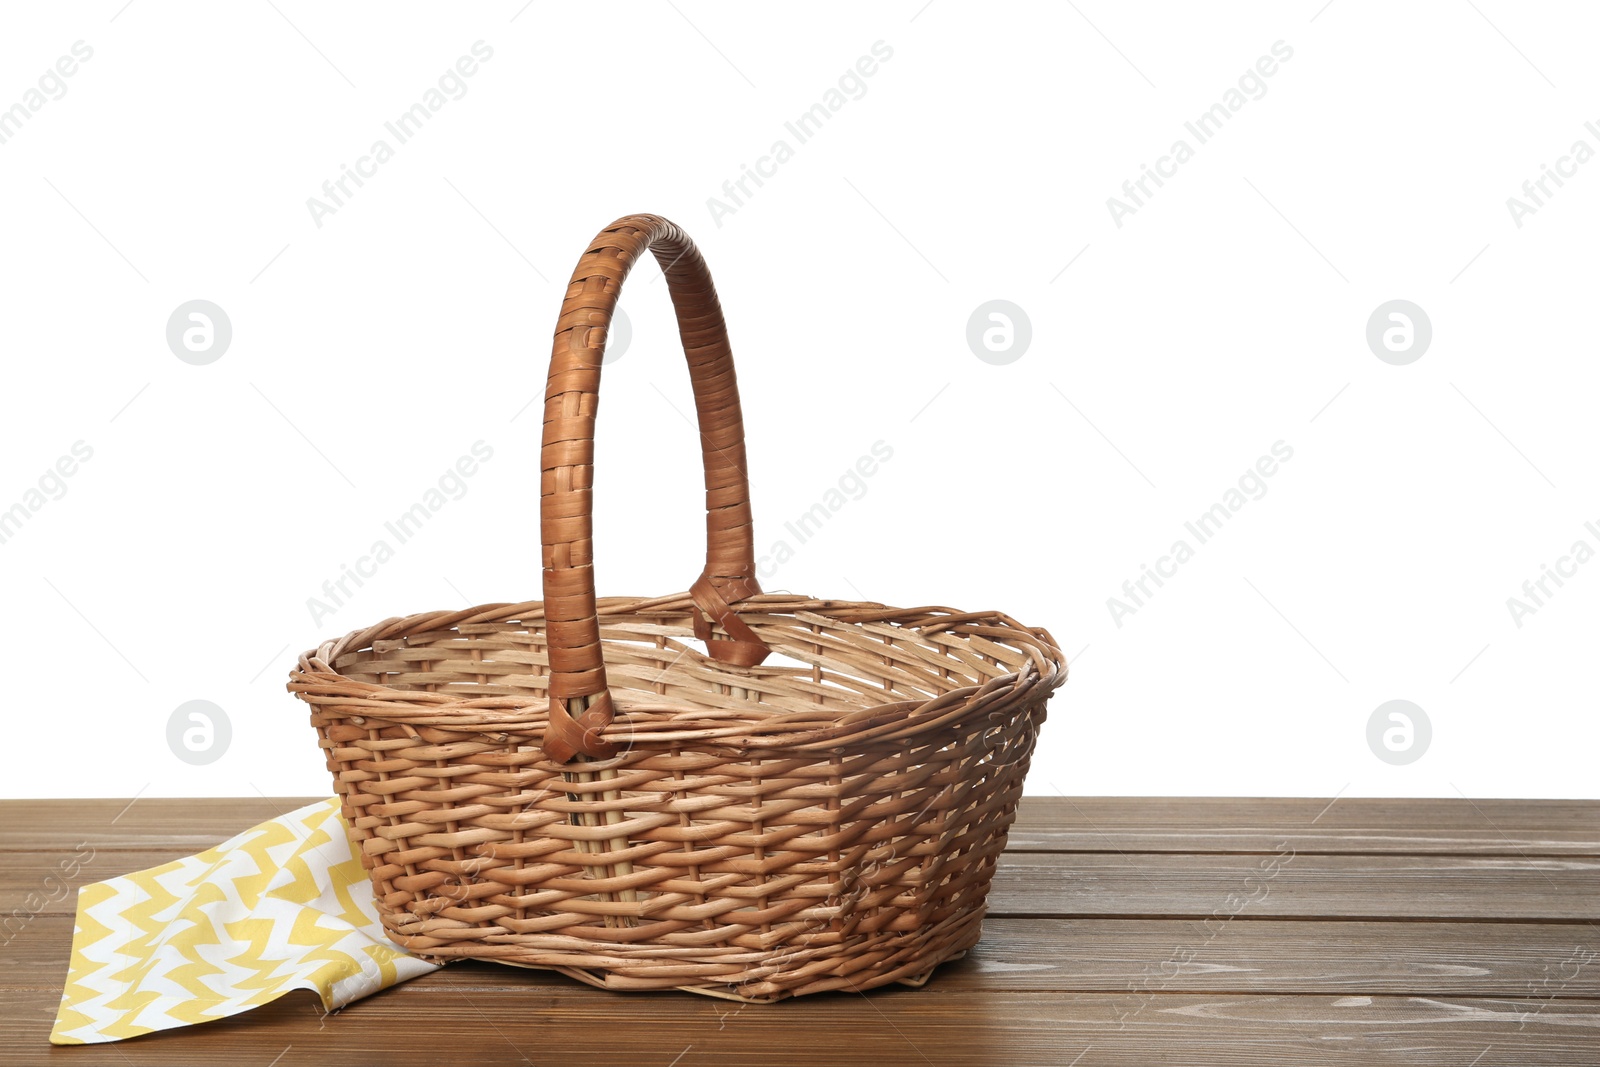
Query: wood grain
[
  {"x": 1345, "y": 824},
  {"x": 1160, "y": 955},
  {"x": 420, "y": 1023},
  {"x": 1166, "y": 884},
  {"x": 1044, "y": 824},
  {"x": 1155, "y": 885}
]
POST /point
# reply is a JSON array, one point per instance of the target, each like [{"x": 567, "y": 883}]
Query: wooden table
[{"x": 1120, "y": 931}]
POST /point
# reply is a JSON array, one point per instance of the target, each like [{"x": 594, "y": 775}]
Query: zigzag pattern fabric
[{"x": 281, "y": 906}]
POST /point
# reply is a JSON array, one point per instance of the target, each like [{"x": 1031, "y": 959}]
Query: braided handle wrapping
[{"x": 580, "y": 703}]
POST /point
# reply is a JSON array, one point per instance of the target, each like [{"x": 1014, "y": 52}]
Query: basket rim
[{"x": 314, "y": 679}]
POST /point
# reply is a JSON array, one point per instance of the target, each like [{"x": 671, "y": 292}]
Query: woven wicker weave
[{"x": 625, "y": 790}]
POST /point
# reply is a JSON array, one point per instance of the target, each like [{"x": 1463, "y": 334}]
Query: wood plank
[
  {"x": 1348, "y": 824},
  {"x": 1154, "y": 885},
  {"x": 1061, "y": 824},
  {"x": 1177, "y": 885},
  {"x": 161, "y": 823},
  {"x": 1145, "y": 956},
  {"x": 428, "y": 1021}
]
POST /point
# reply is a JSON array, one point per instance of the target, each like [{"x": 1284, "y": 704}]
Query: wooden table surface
[{"x": 1120, "y": 931}]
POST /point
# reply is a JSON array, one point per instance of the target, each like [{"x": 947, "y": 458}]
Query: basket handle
[{"x": 580, "y": 703}]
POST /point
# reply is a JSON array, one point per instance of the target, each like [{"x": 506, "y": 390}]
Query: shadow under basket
[{"x": 740, "y": 794}]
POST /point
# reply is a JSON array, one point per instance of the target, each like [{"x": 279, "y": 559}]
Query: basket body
[
  {"x": 735, "y": 793},
  {"x": 838, "y": 829}
]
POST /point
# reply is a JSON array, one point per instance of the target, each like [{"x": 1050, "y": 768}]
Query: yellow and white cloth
[{"x": 281, "y": 906}]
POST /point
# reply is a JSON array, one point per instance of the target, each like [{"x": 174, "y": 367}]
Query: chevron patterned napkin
[{"x": 282, "y": 906}]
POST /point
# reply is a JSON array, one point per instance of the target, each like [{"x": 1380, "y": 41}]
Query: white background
[{"x": 1227, "y": 314}]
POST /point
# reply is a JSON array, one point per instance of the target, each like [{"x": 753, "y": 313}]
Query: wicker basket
[{"x": 574, "y": 784}]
